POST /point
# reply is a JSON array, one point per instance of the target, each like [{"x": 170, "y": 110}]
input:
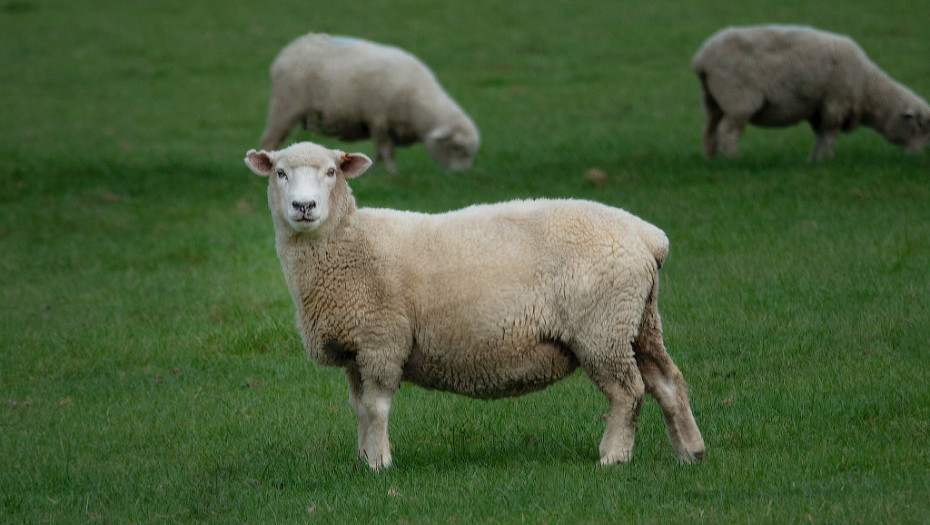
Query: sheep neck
[
  {"x": 883, "y": 100},
  {"x": 434, "y": 110},
  {"x": 307, "y": 258}
]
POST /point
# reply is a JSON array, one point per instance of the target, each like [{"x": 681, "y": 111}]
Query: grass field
[{"x": 150, "y": 371}]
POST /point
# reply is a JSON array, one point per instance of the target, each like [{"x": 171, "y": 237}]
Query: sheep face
[
  {"x": 454, "y": 148},
  {"x": 303, "y": 178},
  {"x": 919, "y": 127},
  {"x": 909, "y": 128}
]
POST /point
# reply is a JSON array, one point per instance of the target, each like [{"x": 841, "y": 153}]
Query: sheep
[
  {"x": 488, "y": 301},
  {"x": 353, "y": 89},
  {"x": 777, "y": 75}
]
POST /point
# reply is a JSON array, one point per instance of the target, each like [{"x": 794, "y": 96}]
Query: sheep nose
[{"x": 303, "y": 207}]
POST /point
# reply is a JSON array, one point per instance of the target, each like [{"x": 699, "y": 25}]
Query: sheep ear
[
  {"x": 259, "y": 162},
  {"x": 353, "y": 164}
]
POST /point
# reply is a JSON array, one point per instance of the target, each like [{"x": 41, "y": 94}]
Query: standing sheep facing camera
[
  {"x": 352, "y": 89},
  {"x": 779, "y": 75},
  {"x": 488, "y": 301}
]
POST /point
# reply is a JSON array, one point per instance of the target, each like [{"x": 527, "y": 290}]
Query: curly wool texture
[
  {"x": 776, "y": 75},
  {"x": 353, "y": 89},
  {"x": 489, "y": 301},
  {"x": 485, "y": 301}
]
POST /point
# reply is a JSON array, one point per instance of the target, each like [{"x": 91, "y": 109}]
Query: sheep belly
[
  {"x": 489, "y": 373},
  {"x": 353, "y": 128},
  {"x": 336, "y": 126}
]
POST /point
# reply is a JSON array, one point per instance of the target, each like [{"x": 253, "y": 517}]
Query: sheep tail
[{"x": 657, "y": 243}]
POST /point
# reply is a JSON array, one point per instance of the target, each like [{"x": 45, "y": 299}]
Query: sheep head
[
  {"x": 917, "y": 124},
  {"x": 306, "y": 181},
  {"x": 909, "y": 127},
  {"x": 453, "y": 146}
]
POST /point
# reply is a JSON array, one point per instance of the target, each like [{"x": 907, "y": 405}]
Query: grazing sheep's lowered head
[
  {"x": 911, "y": 128},
  {"x": 454, "y": 146}
]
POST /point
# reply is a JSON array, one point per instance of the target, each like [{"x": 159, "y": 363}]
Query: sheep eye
[
  {"x": 330, "y": 172},
  {"x": 281, "y": 174}
]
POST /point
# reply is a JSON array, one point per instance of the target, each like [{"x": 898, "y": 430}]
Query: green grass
[{"x": 149, "y": 367}]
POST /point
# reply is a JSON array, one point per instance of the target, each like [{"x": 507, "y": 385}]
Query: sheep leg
[
  {"x": 375, "y": 404},
  {"x": 354, "y": 378},
  {"x": 833, "y": 116},
  {"x": 384, "y": 147},
  {"x": 728, "y": 111},
  {"x": 665, "y": 383},
  {"x": 281, "y": 118},
  {"x": 709, "y": 134},
  {"x": 713, "y": 116},
  {"x": 729, "y": 130},
  {"x": 619, "y": 380},
  {"x": 823, "y": 148}
]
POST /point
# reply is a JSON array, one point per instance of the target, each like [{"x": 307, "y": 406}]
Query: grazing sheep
[
  {"x": 353, "y": 90},
  {"x": 488, "y": 301},
  {"x": 780, "y": 75}
]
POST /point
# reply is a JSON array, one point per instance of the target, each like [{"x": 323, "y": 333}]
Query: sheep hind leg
[
  {"x": 713, "y": 116},
  {"x": 281, "y": 118},
  {"x": 384, "y": 147},
  {"x": 619, "y": 379},
  {"x": 665, "y": 383}
]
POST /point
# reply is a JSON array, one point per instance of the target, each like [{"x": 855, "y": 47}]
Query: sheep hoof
[
  {"x": 379, "y": 463},
  {"x": 621, "y": 456},
  {"x": 691, "y": 457}
]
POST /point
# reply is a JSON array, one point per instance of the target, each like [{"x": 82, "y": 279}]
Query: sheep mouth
[
  {"x": 305, "y": 218},
  {"x": 305, "y": 222}
]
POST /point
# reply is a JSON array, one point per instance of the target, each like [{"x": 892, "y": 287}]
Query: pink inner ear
[
  {"x": 260, "y": 161},
  {"x": 353, "y": 164},
  {"x": 346, "y": 163}
]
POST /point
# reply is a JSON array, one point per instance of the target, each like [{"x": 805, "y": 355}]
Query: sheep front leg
[
  {"x": 384, "y": 146},
  {"x": 823, "y": 148},
  {"x": 354, "y": 378},
  {"x": 375, "y": 406},
  {"x": 832, "y": 117}
]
